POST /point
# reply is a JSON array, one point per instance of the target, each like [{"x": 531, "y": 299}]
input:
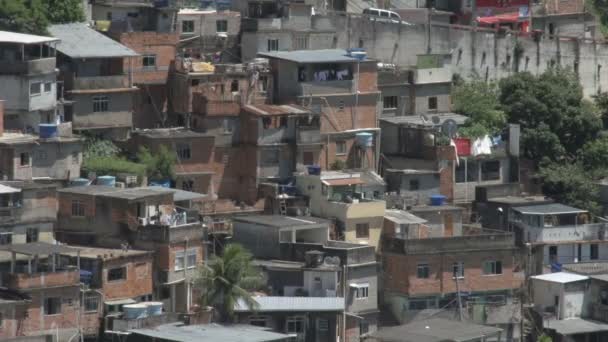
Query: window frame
[
  {"x": 87, "y": 300},
  {"x": 495, "y": 266},
  {"x": 191, "y": 253},
  {"x": 183, "y": 150},
  {"x": 362, "y": 291},
  {"x": 78, "y": 208},
  {"x": 272, "y": 44},
  {"x": 189, "y": 22},
  {"x": 148, "y": 57},
  {"x": 392, "y": 100},
  {"x": 179, "y": 255},
  {"x": 484, "y": 176},
  {"x": 341, "y": 148},
  {"x": 6, "y": 238},
  {"x": 37, "y": 84},
  {"x": 297, "y": 320},
  {"x": 101, "y": 104},
  {"x": 425, "y": 267},
  {"x": 32, "y": 231},
  {"x": 221, "y": 22},
  {"x": 50, "y": 87},
  {"x": 433, "y": 103},
  {"x": 458, "y": 270},
  {"x": 52, "y": 302},
  {"x": 124, "y": 274},
  {"x": 364, "y": 228},
  {"x": 25, "y": 156}
]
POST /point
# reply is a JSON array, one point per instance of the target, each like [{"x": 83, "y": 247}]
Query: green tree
[
  {"x": 570, "y": 183},
  {"x": 479, "y": 101},
  {"x": 601, "y": 102},
  {"x": 600, "y": 9},
  {"x": 64, "y": 11},
  {"x": 227, "y": 280},
  {"x": 25, "y": 16},
  {"x": 594, "y": 154},
  {"x": 94, "y": 147},
  {"x": 160, "y": 165}
]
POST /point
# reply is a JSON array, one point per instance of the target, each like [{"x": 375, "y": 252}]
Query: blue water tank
[
  {"x": 437, "y": 200},
  {"x": 48, "y": 131},
  {"x": 154, "y": 308},
  {"x": 106, "y": 180},
  {"x": 79, "y": 182},
  {"x": 314, "y": 170},
  {"x": 365, "y": 139},
  {"x": 135, "y": 311}
]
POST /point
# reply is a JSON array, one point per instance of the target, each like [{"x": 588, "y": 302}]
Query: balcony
[
  {"x": 123, "y": 324},
  {"x": 432, "y": 75},
  {"x": 585, "y": 232},
  {"x": 9, "y": 215},
  {"x": 261, "y": 24},
  {"x": 326, "y": 87},
  {"x": 308, "y": 135},
  {"x": 274, "y": 136},
  {"x": 485, "y": 240},
  {"x": 67, "y": 277},
  {"x": 183, "y": 225},
  {"x": 100, "y": 82},
  {"x": 31, "y": 67}
]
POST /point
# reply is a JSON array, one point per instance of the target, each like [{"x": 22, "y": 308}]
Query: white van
[{"x": 382, "y": 13}]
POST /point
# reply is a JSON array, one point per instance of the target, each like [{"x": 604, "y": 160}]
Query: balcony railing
[
  {"x": 584, "y": 232},
  {"x": 326, "y": 87},
  {"x": 309, "y": 135},
  {"x": 35, "y": 66},
  {"x": 100, "y": 82},
  {"x": 67, "y": 277}
]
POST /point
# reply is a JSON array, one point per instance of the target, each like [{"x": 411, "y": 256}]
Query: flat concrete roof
[
  {"x": 418, "y": 121},
  {"x": 279, "y": 221},
  {"x": 437, "y": 329},
  {"x": 179, "y": 332},
  {"x": 549, "y": 209},
  {"x": 574, "y": 326},
  {"x": 428, "y": 208},
  {"x": 402, "y": 217},
  {"x": 312, "y": 56},
  {"x": 78, "y": 40},
  {"x": 35, "y": 248},
  {"x": 293, "y": 304},
  {"x": 270, "y": 110},
  {"x": 560, "y": 277},
  {"x": 105, "y": 253},
  {"x": 113, "y": 192},
  {"x": 519, "y": 199}
]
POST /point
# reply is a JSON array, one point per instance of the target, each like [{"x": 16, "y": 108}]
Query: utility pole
[{"x": 459, "y": 298}]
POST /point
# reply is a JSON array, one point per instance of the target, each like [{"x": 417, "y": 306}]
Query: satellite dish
[
  {"x": 449, "y": 128},
  {"x": 436, "y": 120}
]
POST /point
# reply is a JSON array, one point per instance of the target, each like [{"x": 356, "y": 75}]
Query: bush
[
  {"x": 113, "y": 166},
  {"x": 338, "y": 165}
]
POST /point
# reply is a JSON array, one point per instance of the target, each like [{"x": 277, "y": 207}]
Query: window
[
  {"x": 422, "y": 271},
  {"x": 301, "y": 43},
  {"x": 492, "y": 267},
  {"x": 41, "y": 155},
  {"x": 191, "y": 258},
  {"x": 180, "y": 259},
  {"x": 283, "y": 122},
  {"x": 100, "y": 103},
  {"x": 362, "y": 291},
  {"x": 363, "y": 327},
  {"x": 594, "y": 252},
  {"x": 77, "y": 208},
  {"x": 390, "y": 102},
  {"x": 433, "y": 103},
  {"x": 52, "y": 306},
  {"x": 341, "y": 105},
  {"x": 552, "y": 253},
  {"x": 458, "y": 270},
  {"x": 341, "y": 147},
  {"x": 221, "y": 25},
  {"x": 183, "y": 151},
  {"x": 119, "y": 273},
  {"x": 263, "y": 84},
  {"x": 6, "y": 238},
  {"x": 48, "y": 87},
  {"x": 75, "y": 158},
  {"x": 91, "y": 303},
  {"x": 188, "y": 26},
  {"x": 35, "y": 88},
  {"x": 490, "y": 170},
  {"x": 294, "y": 325},
  {"x": 414, "y": 184},
  {"x": 258, "y": 321},
  {"x": 362, "y": 230},
  {"x": 234, "y": 86},
  {"x": 273, "y": 45},
  {"x": 188, "y": 185},
  {"x": 149, "y": 61},
  {"x": 24, "y": 159},
  {"x": 31, "y": 235}
]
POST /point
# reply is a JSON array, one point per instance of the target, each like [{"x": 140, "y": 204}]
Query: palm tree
[{"x": 227, "y": 280}]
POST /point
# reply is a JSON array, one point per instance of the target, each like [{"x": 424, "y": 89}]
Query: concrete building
[
  {"x": 437, "y": 330},
  {"x": 145, "y": 218},
  {"x": 568, "y": 18},
  {"x": 343, "y": 90},
  {"x": 423, "y": 89},
  {"x": 209, "y": 33},
  {"x": 557, "y": 234},
  {"x": 298, "y": 258},
  {"x": 353, "y": 199},
  {"x": 148, "y": 28},
  {"x": 425, "y": 272},
  {"x": 96, "y": 85},
  {"x": 52, "y": 285},
  {"x": 28, "y": 81}
]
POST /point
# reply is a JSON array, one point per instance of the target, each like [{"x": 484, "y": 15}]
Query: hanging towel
[{"x": 482, "y": 146}]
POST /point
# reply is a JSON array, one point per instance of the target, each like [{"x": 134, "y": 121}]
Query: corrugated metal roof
[
  {"x": 34, "y": 248},
  {"x": 4, "y": 189},
  {"x": 280, "y": 221},
  {"x": 551, "y": 208},
  {"x": 573, "y": 326},
  {"x": 22, "y": 38},
  {"x": 421, "y": 122},
  {"x": 80, "y": 41},
  {"x": 293, "y": 304},
  {"x": 402, "y": 217},
  {"x": 312, "y": 56},
  {"x": 343, "y": 181},
  {"x": 560, "y": 277},
  {"x": 211, "y": 332}
]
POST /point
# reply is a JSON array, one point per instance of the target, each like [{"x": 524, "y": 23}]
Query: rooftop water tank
[
  {"x": 154, "y": 308},
  {"x": 365, "y": 139},
  {"x": 79, "y": 182},
  {"x": 357, "y": 53},
  {"x": 106, "y": 180},
  {"x": 437, "y": 200},
  {"x": 135, "y": 311},
  {"x": 48, "y": 131}
]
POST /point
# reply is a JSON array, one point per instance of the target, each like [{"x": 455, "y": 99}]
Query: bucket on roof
[{"x": 48, "y": 131}]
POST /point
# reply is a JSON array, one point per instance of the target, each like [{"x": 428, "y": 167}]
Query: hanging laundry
[
  {"x": 482, "y": 146},
  {"x": 453, "y": 143}
]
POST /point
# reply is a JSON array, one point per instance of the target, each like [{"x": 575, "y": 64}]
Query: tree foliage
[
  {"x": 112, "y": 165},
  {"x": 479, "y": 101},
  {"x": 33, "y": 16},
  {"x": 94, "y": 147},
  {"x": 159, "y": 165},
  {"x": 570, "y": 183},
  {"x": 227, "y": 280},
  {"x": 600, "y": 9}
]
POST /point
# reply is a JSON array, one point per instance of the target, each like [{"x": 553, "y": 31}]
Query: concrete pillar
[
  {"x": 54, "y": 260},
  {"x": 29, "y": 264},
  {"x": 172, "y": 297},
  {"x": 13, "y": 260}
]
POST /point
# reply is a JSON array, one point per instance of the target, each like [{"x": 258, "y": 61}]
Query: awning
[
  {"x": 120, "y": 301},
  {"x": 343, "y": 181},
  {"x": 4, "y": 189},
  {"x": 501, "y": 18},
  {"x": 355, "y": 286}
]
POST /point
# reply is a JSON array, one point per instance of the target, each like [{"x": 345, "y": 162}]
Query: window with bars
[
  {"x": 422, "y": 271},
  {"x": 492, "y": 267},
  {"x": 390, "y": 102},
  {"x": 458, "y": 270},
  {"x": 77, "y": 208},
  {"x": 91, "y": 303},
  {"x": 273, "y": 45},
  {"x": 188, "y": 26},
  {"x": 100, "y": 103},
  {"x": 362, "y": 230},
  {"x": 149, "y": 61},
  {"x": 183, "y": 151},
  {"x": 221, "y": 26}
]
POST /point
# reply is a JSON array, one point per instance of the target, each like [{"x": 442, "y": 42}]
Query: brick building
[
  {"x": 144, "y": 218},
  {"x": 339, "y": 87},
  {"x": 147, "y": 27},
  {"x": 425, "y": 267}
]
